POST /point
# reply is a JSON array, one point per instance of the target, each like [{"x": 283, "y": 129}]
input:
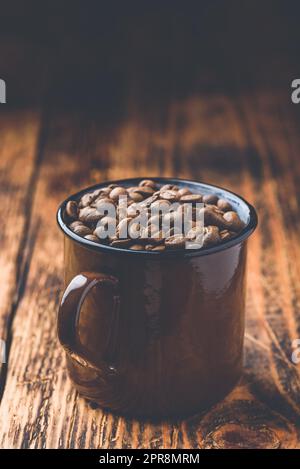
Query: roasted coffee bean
[
  {"x": 86, "y": 200},
  {"x": 133, "y": 188},
  {"x": 170, "y": 195},
  {"x": 160, "y": 205},
  {"x": 123, "y": 226},
  {"x": 106, "y": 221},
  {"x": 132, "y": 210},
  {"x": 144, "y": 232},
  {"x": 191, "y": 198},
  {"x": 233, "y": 220},
  {"x": 134, "y": 230},
  {"x": 155, "y": 220},
  {"x": 100, "y": 232},
  {"x": 72, "y": 210},
  {"x": 195, "y": 232},
  {"x": 116, "y": 192},
  {"x": 111, "y": 238},
  {"x": 105, "y": 191},
  {"x": 89, "y": 215},
  {"x": 102, "y": 196},
  {"x": 211, "y": 236},
  {"x": 210, "y": 199},
  {"x": 96, "y": 193},
  {"x": 149, "y": 183},
  {"x": 155, "y": 247},
  {"x": 135, "y": 196},
  {"x": 151, "y": 229},
  {"x": 149, "y": 200},
  {"x": 121, "y": 243},
  {"x": 194, "y": 245},
  {"x": 166, "y": 187},
  {"x": 226, "y": 234},
  {"x": 175, "y": 242},
  {"x": 224, "y": 205},
  {"x": 101, "y": 203},
  {"x": 92, "y": 237},
  {"x": 80, "y": 229},
  {"x": 149, "y": 204},
  {"x": 145, "y": 191},
  {"x": 160, "y": 247},
  {"x": 184, "y": 191},
  {"x": 214, "y": 216},
  {"x": 74, "y": 224},
  {"x": 137, "y": 247}
]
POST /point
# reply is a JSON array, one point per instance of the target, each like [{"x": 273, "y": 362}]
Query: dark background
[{"x": 94, "y": 54}]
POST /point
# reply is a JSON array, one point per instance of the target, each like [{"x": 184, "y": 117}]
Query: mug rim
[{"x": 242, "y": 236}]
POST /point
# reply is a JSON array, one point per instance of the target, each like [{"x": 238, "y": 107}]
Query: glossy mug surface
[{"x": 151, "y": 334}]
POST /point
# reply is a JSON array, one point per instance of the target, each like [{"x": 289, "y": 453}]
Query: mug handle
[{"x": 69, "y": 313}]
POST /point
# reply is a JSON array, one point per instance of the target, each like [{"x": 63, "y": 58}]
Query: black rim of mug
[{"x": 221, "y": 191}]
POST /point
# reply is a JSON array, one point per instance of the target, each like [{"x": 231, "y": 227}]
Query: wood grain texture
[
  {"x": 246, "y": 143},
  {"x": 18, "y": 173}
]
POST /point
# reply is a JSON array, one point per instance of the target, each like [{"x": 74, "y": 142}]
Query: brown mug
[{"x": 155, "y": 334}]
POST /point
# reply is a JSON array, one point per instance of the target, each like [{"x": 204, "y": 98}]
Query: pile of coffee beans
[{"x": 88, "y": 217}]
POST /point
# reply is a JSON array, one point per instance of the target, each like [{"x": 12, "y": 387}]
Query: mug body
[{"x": 174, "y": 344}]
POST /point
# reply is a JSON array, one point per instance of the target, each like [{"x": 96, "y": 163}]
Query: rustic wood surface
[{"x": 248, "y": 142}]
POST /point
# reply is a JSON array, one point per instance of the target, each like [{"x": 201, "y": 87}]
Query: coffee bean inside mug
[
  {"x": 150, "y": 329},
  {"x": 153, "y": 217}
]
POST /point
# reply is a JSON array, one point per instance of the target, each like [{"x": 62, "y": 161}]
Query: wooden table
[{"x": 246, "y": 141}]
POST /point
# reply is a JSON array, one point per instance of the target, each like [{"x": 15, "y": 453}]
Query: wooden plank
[
  {"x": 212, "y": 138},
  {"x": 19, "y": 132},
  {"x": 279, "y": 254}
]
